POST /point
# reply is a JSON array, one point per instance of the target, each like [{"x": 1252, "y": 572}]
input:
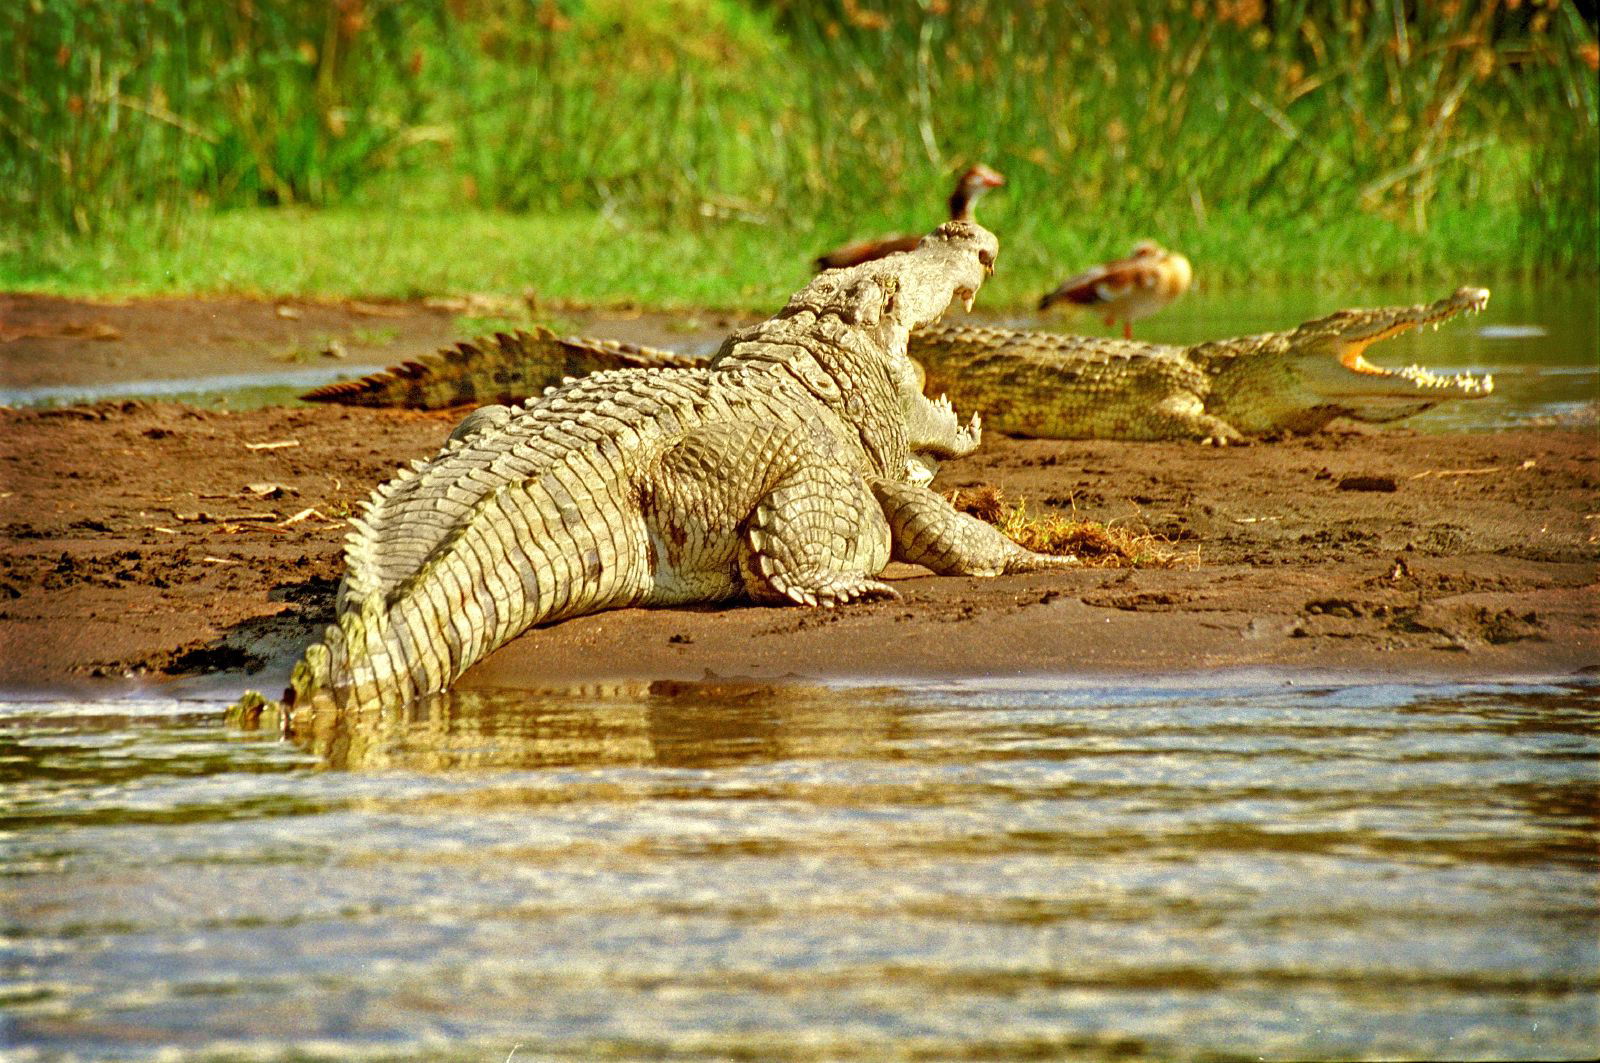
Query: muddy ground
[
  {"x": 158, "y": 541},
  {"x": 48, "y": 342}
]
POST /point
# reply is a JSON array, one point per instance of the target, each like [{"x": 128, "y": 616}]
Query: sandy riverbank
[{"x": 162, "y": 540}]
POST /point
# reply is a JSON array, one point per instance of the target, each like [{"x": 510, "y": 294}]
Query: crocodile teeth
[{"x": 1425, "y": 378}]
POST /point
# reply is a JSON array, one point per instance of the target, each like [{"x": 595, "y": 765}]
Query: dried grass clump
[
  {"x": 984, "y": 502},
  {"x": 1095, "y": 544}
]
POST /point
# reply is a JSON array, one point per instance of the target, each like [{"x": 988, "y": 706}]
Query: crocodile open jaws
[{"x": 1222, "y": 391}]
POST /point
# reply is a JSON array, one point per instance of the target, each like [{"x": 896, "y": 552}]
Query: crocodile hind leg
[
  {"x": 816, "y": 538},
  {"x": 927, "y": 530}
]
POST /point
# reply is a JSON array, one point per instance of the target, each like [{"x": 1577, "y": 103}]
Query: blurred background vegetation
[{"x": 704, "y": 150}]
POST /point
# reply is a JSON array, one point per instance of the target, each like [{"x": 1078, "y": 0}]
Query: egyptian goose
[
  {"x": 973, "y": 182},
  {"x": 1129, "y": 288}
]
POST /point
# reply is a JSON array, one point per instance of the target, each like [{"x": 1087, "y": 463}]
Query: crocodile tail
[
  {"x": 352, "y": 663},
  {"x": 504, "y": 528},
  {"x": 336, "y": 671},
  {"x": 586, "y": 355},
  {"x": 518, "y": 557},
  {"x": 505, "y": 368},
  {"x": 311, "y": 675}
]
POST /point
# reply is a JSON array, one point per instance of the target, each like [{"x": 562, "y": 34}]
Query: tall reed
[
  {"x": 1195, "y": 120},
  {"x": 110, "y": 108}
]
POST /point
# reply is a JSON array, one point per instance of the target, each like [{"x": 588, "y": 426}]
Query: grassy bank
[
  {"x": 587, "y": 258},
  {"x": 700, "y": 151}
]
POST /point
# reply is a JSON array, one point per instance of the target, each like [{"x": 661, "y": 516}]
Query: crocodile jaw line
[{"x": 1460, "y": 385}]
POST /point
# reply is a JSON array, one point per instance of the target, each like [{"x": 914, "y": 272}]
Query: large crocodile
[
  {"x": 778, "y": 473},
  {"x": 1039, "y": 383}
]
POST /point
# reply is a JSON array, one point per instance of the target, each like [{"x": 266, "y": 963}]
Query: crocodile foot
[
  {"x": 839, "y": 589},
  {"x": 1028, "y": 561},
  {"x": 926, "y": 530}
]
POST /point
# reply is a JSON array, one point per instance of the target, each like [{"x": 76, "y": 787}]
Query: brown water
[{"x": 1212, "y": 867}]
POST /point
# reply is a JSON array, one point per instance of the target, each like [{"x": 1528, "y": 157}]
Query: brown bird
[
  {"x": 973, "y": 182},
  {"x": 1129, "y": 288}
]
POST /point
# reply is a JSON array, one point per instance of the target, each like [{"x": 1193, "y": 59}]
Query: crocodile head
[
  {"x": 843, "y": 337},
  {"x": 959, "y": 257},
  {"x": 1329, "y": 358}
]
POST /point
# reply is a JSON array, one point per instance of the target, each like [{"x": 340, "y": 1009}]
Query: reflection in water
[
  {"x": 725, "y": 869},
  {"x": 666, "y": 723}
]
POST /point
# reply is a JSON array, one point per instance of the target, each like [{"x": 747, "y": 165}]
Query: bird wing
[
  {"x": 867, "y": 251},
  {"x": 1107, "y": 283}
]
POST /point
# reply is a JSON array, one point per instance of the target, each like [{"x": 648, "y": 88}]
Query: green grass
[
  {"x": 584, "y": 258},
  {"x": 698, "y": 152}
]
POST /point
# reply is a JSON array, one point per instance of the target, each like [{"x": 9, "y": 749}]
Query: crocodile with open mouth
[
  {"x": 780, "y": 473},
  {"x": 1221, "y": 391},
  {"x": 1039, "y": 384}
]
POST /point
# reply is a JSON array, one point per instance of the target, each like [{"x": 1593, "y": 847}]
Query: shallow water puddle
[{"x": 1241, "y": 867}]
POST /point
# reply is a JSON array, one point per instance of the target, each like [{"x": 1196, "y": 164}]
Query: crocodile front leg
[
  {"x": 1184, "y": 416},
  {"x": 927, "y": 530}
]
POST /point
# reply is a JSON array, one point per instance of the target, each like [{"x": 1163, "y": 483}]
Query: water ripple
[{"x": 647, "y": 870}]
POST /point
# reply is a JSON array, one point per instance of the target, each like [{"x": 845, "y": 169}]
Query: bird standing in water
[
  {"x": 1129, "y": 288},
  {"x": 973, "y": 182}
]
